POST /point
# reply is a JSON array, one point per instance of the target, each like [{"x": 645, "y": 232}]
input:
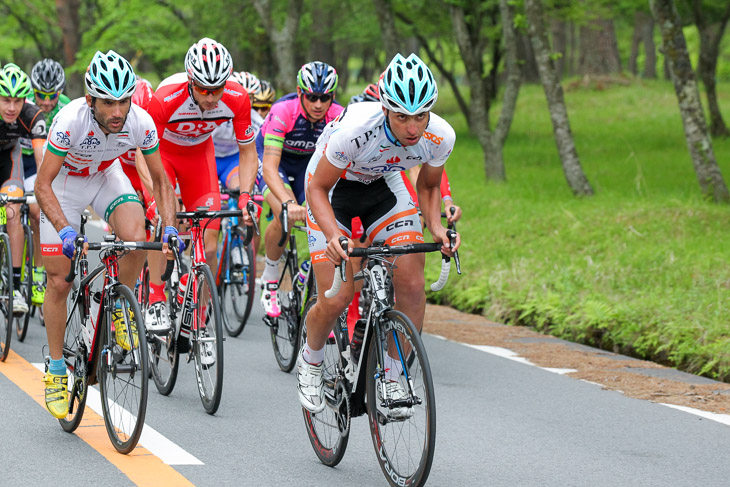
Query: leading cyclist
[
  {"x": 81, "y": 168},
  {"x": 355, "y": 171}
]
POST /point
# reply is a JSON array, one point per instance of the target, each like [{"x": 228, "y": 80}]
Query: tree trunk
[
  {"x": 649, "y": 47},
  {"x": 598, "y": 48},
  {"x": 711, "y": 26},
  {"x": 695, "y": 129},
  {"x": 68, "y": 20},
  {"x": 554, "y": 94},
  {"x": 636, "y": 39},
  {"x": 391, "y": 40},
  {"x": 559, "y": 32},
  {"x": 282, "y": 41}
]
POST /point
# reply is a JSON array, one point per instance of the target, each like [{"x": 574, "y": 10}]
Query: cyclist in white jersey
[
  {"x": 81, "y": 168},
  {"x": 355, "y": 171}
]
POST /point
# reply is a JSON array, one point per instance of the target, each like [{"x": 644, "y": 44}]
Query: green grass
[{"x": 639, "y": 268}]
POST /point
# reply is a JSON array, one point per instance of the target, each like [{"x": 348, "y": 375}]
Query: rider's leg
[{"x": 127, "y": 220}]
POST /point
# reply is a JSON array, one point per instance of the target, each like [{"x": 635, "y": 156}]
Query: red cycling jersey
[{"x": 186, "y": 146}]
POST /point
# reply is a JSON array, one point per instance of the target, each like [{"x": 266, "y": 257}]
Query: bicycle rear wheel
[
  {"x": 123, "y": 370},
  {"x": 404, "y": 443},
  {"x": 285, "y": 328},
  {"x": 26, "y": 283},
  {"x": 329, "y": 430},
  {"x": 75, "y": 354},
  {"x": 236, "y": 288},
  {"x": 6, "y": 297},
  {"x": 208, "y": 340}
]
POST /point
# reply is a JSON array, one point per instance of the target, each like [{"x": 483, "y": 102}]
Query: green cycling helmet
[{"x": 14, "y": 82}]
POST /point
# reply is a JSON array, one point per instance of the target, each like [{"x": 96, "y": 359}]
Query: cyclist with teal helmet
[
  {"x": 355, "y": 171},
  {"x": 81, "y": 168},
  {"x": 19, "y": 119}
]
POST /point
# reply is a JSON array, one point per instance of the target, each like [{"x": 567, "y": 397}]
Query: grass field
[{"x": 640, "y": 268}]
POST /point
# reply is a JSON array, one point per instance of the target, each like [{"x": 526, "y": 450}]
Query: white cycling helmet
[
  {"x": 208, "y": 63},
  {"x": 249, "y": 81},
  {"x": 407, "y": 86},
  {"x": 110, "y": 76}
]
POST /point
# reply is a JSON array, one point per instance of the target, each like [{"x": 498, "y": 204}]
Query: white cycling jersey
[
  {"x": 224, "y": 137},
  {"x": 76, "y": 136},
  {"x": 358, "y": 142}
]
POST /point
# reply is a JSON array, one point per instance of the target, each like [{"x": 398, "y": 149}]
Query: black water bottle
[{"x": 357, "y": 337}]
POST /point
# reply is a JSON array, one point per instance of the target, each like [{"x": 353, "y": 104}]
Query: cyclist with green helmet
[
  {"x": 19, "y": 119},
  {"x": 48, "y": 81}
]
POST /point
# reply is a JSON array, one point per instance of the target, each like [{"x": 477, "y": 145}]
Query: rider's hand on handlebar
[
  {"x": 151, "y": 213},
  {"x": 334, "y": 251},
  {"x": 171, "y": 231},
  {"x": 242, "y": 201},
  {"x": 297, "y": 213},
  {"x": 68, "y": 237},
  {"x": 440, "y": 236},
  {"x": 456, "y": 216}
]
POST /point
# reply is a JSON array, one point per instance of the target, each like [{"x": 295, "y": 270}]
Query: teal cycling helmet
[
  {"x": 407, "y": 86},
  {"x": 14, "y": 82},
  {"x": 110, "y": 76}
]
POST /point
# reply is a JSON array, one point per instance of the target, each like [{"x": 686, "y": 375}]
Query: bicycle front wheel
[
  {"x": 75, "y": 354},
  {"x": 208, "y": 340},
  {"x": 236, "y": 288},
  {"x": 26, "y": 283},
  {"x": 329, "y": 430},
  {"x": 401, "y": 407},
  {"x": 285, "y": 328},
  {"x": 123, "y": 369},
  {"x": 6, "y": 297}
]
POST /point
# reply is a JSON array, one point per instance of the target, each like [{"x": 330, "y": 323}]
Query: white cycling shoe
[
  {"x": 311, "y": 385},
  {"x": 157, "y": 321}
]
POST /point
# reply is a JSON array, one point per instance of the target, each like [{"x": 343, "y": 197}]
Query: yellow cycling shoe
[
  {"x": 120, "y": 330},
  {"x": 56, "y": 394}
]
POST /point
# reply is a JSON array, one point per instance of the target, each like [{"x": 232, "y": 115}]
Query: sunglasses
[
  {"x": 314, "y": 97},
  {"x": 209, "y": 91},
  {"x": 46, "y": 96}
]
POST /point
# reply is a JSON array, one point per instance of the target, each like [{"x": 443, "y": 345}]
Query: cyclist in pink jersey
[
  {"x": 186, "y": 108},
  {"x": 285, "y": 143}
]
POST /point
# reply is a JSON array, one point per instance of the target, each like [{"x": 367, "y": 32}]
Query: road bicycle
[
  {"x": 96, "y": 350},
  {"x": 195, "y": 312},
  {"x": 402, "y": 417},
  {"x": 6, "y": 278},
  {"x": 26, "y": 270},
  {"x": 236, "y": 270},
  {"x": 296, "y": 284}
]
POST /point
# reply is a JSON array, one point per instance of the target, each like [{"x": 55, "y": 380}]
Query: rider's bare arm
[
  {"x": 428, "y": 188},
  {"x": 161, "y": 187},
  {"x": 143, "y": 171},
  {"x": 44, "y": 193}
]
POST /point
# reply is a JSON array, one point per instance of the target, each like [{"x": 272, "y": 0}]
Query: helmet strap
[
  {"x": 388, "y": 131},
  {"x": 301, "y": 102}
]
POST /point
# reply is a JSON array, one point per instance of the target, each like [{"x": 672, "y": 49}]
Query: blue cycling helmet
[
  {"x": 407, "y": 86},
  {"x": 110, "y": 76},
  {"x": 317, "y": 77}
]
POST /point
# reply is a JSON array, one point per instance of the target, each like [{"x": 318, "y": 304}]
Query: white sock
[
  {"x": 393, "y": 368},
  {"x": 271, "y": 270},
  {"x": 312, "y": 357}
]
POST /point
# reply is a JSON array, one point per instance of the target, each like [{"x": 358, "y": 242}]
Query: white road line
[
  {"x": 511, "y": 355},
  {"x": 151, "y": 439}
]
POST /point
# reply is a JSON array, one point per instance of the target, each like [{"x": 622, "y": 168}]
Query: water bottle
[
  {"x": 94, "y": 305},
  {"x": 303, "y": 273},
  {"x": 181, "y": 287},
  {"x": 357, "y": 337}
]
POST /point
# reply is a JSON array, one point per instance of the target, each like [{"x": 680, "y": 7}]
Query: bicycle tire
[
  {"x": 164, "y": 359},
  {"x": 123, "y": 373},
  {"x": 285, "y": 327},
  {"x": 26, "y": 283},
  {"x": 76, "y": 357},
  {"x": 209, "y": 375},
  {"x": 236, "y": 292},
  {"x": 329, "y": 430},
  {"x": 6, "y": 297},
  {"x": 404, "y": 447}
]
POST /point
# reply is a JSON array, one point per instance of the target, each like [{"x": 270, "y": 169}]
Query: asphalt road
[{"x": 499, "y": 423}]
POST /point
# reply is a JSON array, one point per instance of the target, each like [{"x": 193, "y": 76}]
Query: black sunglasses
[{"x": 314, "y": 97}]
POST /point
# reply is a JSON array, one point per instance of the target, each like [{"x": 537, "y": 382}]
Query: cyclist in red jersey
[{"x": 186, "y": 108}]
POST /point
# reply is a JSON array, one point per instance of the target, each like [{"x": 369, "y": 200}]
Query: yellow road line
[{"x": 142, "y": 467}]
